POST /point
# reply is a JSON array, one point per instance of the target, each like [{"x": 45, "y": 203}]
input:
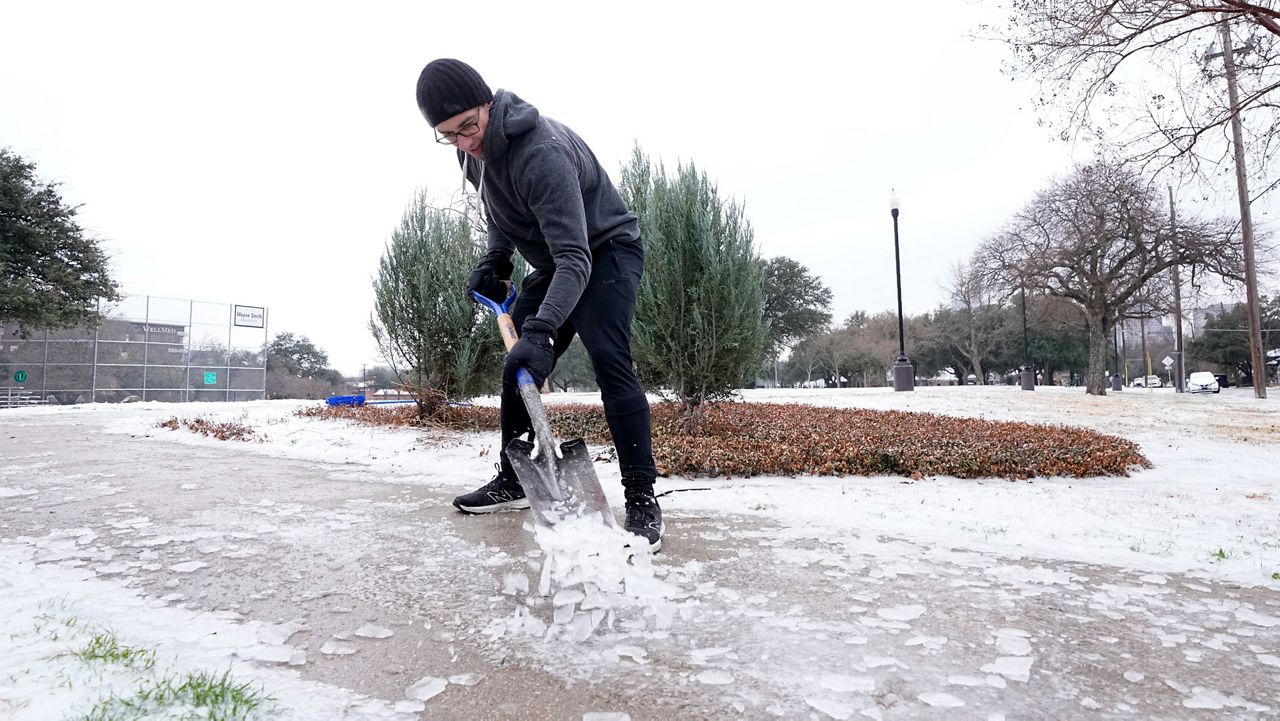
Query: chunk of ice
[
  {"x": 373, "y": 630},
  {"x": 337, "y": 648},
  {"x": 1014, "y": 668},
  {"x": 901, "y": 613},
  {"x": 426, "y": 688},
  {"x": 188, "y": 566},
  {"x": 714, "y": 678},
  {"x": 942, "y": 700},
  {"x": 831, "y": 707}
]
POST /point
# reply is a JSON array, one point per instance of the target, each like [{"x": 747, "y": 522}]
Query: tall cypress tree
[
  {"x": 699, "y": 325},
  {"x": 428, "y": 330}
]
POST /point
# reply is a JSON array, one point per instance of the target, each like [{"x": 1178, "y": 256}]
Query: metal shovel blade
[{"x": 559, "y": 488}]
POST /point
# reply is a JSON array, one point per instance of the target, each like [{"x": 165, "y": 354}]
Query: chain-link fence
[{"x": 146, "y": 348}]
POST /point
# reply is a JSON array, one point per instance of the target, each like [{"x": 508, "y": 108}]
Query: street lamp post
[
  {"x": 1117, "y": 381},
  {"x": 904, "y": 377},
  {"x": 1028, "y": 375}
]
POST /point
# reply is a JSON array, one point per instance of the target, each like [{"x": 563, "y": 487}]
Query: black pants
[{"x": 602, "y": 319}]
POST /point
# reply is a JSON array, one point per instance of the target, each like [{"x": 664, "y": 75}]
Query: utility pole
[
  {"x": 1179, "y": 365},
  {"x": 1246, "y": 221}
]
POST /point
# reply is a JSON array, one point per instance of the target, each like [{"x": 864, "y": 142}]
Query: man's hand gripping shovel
[{"x": 558, "y": 487}]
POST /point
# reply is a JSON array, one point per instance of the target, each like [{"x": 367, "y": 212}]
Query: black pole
[
  {"x": 1028, "y": 376},
  {"x": 897, "y": 266},
  {"x": 1117, "y": 380},
  {"x": 904, "y": 375},
  {"x": 1026, "y": 346},
  {"x": 1115, "y": 347}
]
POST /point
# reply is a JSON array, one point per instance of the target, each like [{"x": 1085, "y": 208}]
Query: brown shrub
[
  {"x": 225, "y": 431},
  {"x": 774, "y": 439}
]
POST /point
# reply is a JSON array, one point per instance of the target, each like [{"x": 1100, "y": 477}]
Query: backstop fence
[{"x": 146, "y": 348}]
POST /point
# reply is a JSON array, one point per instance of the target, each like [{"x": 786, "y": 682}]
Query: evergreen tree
[
  {"x": 51, "y": 273},
  {"x": 431, "y": 334},
  {"x": 699, "y": 326}
]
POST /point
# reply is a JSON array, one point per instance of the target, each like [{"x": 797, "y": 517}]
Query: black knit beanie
[{"x": 447, "y": 87}]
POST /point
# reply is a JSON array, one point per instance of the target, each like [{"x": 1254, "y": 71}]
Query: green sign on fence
[
  {"x": 210, "y": 378},
  {"x": 20, "y": 376}
]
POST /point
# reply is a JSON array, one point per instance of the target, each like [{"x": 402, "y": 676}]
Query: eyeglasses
[{"x": 466, "y": 130}]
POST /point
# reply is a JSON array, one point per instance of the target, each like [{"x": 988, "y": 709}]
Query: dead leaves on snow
[
  {"x": 752, "y": 439},
  {"x": 223, "y": 431}
]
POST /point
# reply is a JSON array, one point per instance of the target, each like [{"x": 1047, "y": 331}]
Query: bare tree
[
  {"x": 1137, "y": 73},
  {"x": 1100, "y": 238},
  {"x": 978, "y": 308}
]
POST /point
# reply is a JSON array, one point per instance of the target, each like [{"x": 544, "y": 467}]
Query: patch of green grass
[
  {"x": 1275, "y": 576},
  {"x": 106, "y": 647},
  {"x": 987, "y": 531},
  {"x": 204, "y": 695}
]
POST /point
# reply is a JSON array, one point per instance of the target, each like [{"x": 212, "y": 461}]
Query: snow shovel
[{"x": 558, "y": 488}]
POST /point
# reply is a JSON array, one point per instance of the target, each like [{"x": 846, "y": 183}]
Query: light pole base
[
  {"x": 1117, "y": 383},
  {"x": 1028, "y": 379},
  {"x": 904, "y": 376}
]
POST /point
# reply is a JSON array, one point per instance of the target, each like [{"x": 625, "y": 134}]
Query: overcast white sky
[{"x": 261, "y": 153}]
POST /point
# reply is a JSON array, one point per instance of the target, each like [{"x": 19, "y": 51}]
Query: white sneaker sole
[{"x": 517, "y": 505}]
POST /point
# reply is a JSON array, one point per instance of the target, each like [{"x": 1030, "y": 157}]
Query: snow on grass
[{"x": 74, "y": 646}]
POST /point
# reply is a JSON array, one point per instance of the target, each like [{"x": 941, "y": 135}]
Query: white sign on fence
[{"x": 248, "y": 316}]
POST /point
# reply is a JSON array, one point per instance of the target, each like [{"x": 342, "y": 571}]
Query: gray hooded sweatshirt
[{"x": 546, "y": 196}]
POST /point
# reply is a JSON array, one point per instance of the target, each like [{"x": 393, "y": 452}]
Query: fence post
[
  {"x": 191, "y": 316},
  {"x": 265, "y": 335},
  {"x": 231, "y": 326},
  {"x": 44, "y": 366},
  {"x": 146, "y": 346},
  {"x": 93, "y": 383}
]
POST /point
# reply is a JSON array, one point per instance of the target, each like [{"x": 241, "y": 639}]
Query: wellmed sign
[{"x": 249, "y": 316}]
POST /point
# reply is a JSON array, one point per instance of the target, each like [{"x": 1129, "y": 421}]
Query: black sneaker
[
  {"x": 500, "y": 494},
  {"x": 644, "y": 518}
]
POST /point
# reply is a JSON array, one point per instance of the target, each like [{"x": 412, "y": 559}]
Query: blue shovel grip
[
  {"x": 495, "y": 306},
  {"x": 523, "y": 378}
]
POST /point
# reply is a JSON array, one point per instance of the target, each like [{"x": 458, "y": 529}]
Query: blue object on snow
[{"x": 345, "y": 400}]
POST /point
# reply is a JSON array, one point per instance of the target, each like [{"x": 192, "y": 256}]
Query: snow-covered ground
[{"x": 301, "y": 562}]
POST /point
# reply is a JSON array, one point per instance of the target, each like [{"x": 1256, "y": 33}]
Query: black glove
[
  {"x": 534, "y": 352},
  {"x": 485, "y": 281}
]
